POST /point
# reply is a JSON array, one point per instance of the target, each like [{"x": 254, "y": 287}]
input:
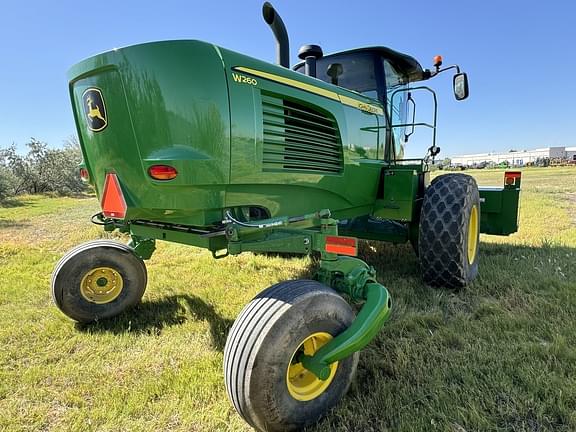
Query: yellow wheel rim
[
  {"x": 101, "y": 285},
  {"x": 303, "y": 385},
  {"x": 473, "y": 228}
]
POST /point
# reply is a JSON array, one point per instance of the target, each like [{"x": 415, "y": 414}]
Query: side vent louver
[{"x": 299, "y": 138}]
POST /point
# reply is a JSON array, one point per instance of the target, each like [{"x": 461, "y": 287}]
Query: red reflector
[
  {"x": 511, "y": 176},
  {"x": 84, "y": 174},
  {"x": 341, "y": 245},
  {"x": 113, "y": 204},
  {"x": 162, "y": 172}
]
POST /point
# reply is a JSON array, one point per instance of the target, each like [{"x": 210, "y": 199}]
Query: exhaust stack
[{"x": 277, "y": 26}]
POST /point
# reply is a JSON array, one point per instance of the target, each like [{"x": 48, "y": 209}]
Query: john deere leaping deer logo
[{"x": 94, "y": 109}]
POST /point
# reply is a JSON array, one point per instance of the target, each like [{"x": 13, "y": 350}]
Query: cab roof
[{"x": 407, "y": 64}]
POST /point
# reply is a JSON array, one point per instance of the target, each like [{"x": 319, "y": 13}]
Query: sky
[{"x": 519, "y": 56}]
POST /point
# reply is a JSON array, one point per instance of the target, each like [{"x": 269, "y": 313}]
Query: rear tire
[
  {"x": 449, "y": 231},
  {"x": 264, "y": 380},
  {"x": 97, "y": 280}
]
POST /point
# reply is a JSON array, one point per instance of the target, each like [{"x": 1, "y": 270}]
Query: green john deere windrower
[{"x": 188, "y": 142}]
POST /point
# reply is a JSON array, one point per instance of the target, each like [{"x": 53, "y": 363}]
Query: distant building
[{"x": 517, "y": 158}]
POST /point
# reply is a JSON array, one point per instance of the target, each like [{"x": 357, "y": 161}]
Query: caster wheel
[
  {"x": 265, "y": 381},
  {"x": 98, "y": 280}
]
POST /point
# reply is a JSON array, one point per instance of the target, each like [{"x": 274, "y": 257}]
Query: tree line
[{"x": 41, "y": 169}]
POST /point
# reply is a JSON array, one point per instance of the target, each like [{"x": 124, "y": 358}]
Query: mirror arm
[{"x": 434, "y": 73}]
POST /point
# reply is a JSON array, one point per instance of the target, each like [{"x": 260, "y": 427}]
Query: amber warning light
[
  {"x": 113, "y": 203},
  {"x": 437, "y": 61}
]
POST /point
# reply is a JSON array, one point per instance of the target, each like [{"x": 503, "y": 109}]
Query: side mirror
[
  {"x": 434, "y": 151},
  {"x": 460, "y": 83}
]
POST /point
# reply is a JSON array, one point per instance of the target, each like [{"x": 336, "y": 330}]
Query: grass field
[{"x": 499, "y": 355}]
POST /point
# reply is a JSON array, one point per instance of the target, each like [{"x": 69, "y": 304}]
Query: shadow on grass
[
  {"x": 11, "y": 223},
  {"x": 22, "y": 201},
  {"x": 80, "y": 195},
  {"x": 500, "y": 263},
  {"x": 385, "y": 257},
  {"x": 151, "y": 317},
  {"x": 14, "y": 202}
]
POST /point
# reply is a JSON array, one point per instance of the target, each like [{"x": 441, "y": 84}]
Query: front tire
[
  {"x": 450, "y": 231},
  {"x": 97, "y": 280},
  {"x": 267, "y": 385}
]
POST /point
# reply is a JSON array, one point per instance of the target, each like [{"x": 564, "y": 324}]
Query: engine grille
[{"x": 298, "y": 138}]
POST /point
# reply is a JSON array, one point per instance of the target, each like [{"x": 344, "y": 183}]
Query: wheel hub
[
  {"x": 101, "y": 285},
  {"x": 302, "y": 384},
  {"x": 473, "y": 227}
]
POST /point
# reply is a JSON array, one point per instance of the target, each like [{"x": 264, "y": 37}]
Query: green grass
[{"x": 497, "y": 356}]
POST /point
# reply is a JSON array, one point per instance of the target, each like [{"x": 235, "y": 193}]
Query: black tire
[
  {"x": 80, "y": 263},
  {"x": 445, "y": 223},
  {"x": 262, "y": 342}
]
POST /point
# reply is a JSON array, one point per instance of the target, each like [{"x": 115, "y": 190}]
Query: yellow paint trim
[
  {"x": 346, "y": 100},
  {"x": 288, "y": 81}
]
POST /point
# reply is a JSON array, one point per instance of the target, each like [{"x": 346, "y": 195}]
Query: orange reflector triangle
[
  {"x": 113, "y": 204},
  {"x": 341, "y": 245}
]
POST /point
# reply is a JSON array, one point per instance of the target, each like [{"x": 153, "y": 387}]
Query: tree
[
  {"x": 41, "y": 170},
  {"x": 7, "y": 181},
  {"x": 14, "y": 171},
  {"x": 71, "y": 158}
]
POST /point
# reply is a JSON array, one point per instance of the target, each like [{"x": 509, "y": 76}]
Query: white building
[{"x": 518, "y": 158}]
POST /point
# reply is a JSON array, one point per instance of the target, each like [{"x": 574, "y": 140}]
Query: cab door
[{"x": 396, "y": 107}]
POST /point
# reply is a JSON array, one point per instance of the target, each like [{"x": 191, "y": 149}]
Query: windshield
[{"x": 356, "y": 71}]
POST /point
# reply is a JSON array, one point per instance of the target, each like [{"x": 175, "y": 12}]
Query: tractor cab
[
  {"x": 385, "y": 75},
  {"x": 371, "y": 71},
  {"x": 375, "y": 72}
]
